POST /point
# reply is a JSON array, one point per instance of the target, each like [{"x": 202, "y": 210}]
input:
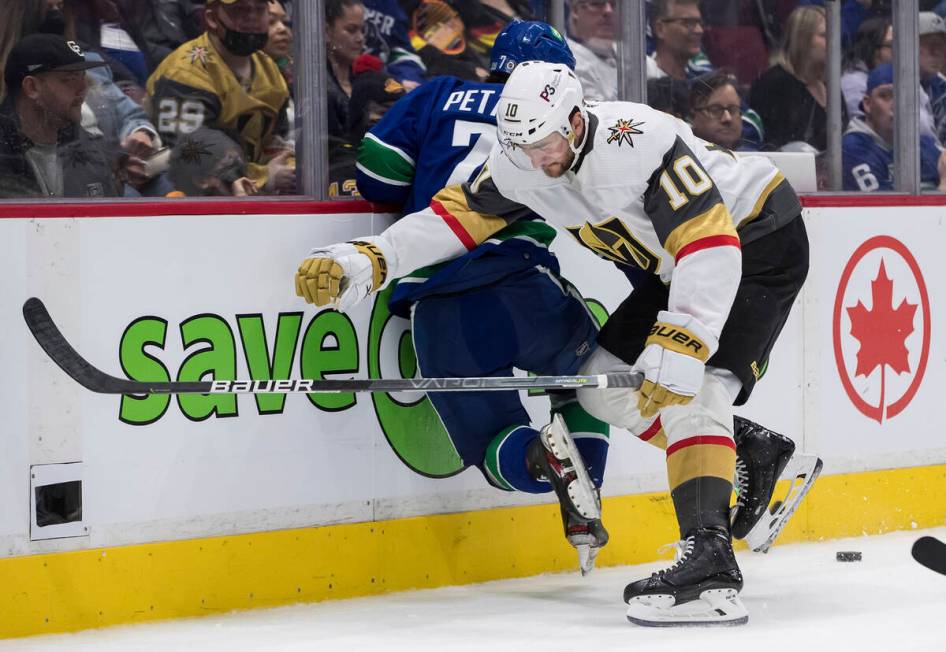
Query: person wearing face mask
[{"x": 224, "y": 80}]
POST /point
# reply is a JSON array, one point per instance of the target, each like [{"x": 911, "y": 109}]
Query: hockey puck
[{"x": 848, "y": 556}]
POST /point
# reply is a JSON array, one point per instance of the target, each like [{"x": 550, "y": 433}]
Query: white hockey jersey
[{"x": 644, "y": 192}]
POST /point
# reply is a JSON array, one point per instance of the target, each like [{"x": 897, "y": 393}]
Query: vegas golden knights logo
[{"x": 611, "y": 240}]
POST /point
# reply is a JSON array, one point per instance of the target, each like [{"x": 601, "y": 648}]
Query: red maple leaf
[{"x": 882, "y": 330}]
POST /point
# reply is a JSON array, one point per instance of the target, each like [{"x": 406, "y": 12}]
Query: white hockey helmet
[{"x": 538, "y": 99}]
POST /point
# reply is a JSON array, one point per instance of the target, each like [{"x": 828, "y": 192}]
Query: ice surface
[{"x": 798, "y": 597}]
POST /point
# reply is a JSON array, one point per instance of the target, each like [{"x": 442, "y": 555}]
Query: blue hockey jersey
[
  {"x": 868, "y": 160},
  {"x": 436, "y": 136},
  {"x": 386, "y": 35}
]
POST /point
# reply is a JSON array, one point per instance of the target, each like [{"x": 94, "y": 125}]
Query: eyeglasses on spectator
[
  {"x": 690, "y": 23},
  {"x": 716, "y": 111}
]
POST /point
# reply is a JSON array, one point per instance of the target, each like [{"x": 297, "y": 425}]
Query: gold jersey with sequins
[{"x": 193, "y": 87}]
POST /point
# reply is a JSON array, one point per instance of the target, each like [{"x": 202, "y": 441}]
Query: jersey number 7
[{"x": 464, "y": 132}]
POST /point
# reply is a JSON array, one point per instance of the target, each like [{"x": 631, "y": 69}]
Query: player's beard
[{"x": 555, "y": 170}]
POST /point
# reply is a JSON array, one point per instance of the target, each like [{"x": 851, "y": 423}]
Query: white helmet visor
[{"x": 552, "y": 148}]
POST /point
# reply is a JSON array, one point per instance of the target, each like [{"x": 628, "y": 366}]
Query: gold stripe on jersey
[
  {"x": 478, "y": 226},
  {"x": 698, "y": 461},
  {"x": 715, "y": 222},
  {"x": 763, "y": 197}
]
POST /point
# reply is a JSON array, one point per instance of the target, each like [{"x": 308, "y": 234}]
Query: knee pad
[
  {"x": 709, "y": 413},
  {"x": 616, "y": 406}
]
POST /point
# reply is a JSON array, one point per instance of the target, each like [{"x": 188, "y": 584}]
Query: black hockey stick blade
[
  {"x": 931, "y": 552},
  {"x": 52, "y": 341}
]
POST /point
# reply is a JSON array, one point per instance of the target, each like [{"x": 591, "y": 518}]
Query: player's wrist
[
  {"x": 379, "y": 264},
  {"x": 683, "y": 334}
]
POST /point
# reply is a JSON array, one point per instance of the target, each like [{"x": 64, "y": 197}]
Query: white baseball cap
[{"x": 931, "y": 23}]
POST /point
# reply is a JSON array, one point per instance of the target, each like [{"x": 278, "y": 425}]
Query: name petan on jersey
[{"x": 475, "y": 100}]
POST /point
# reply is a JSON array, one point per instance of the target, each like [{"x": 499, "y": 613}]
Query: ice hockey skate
[
  {"x": 764, "y": 458},
  {"x": 700, "y": 589},
  {"x": 555, "y": 458}
]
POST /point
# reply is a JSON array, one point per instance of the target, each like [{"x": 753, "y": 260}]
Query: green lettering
[
  {"x": 217, "y": 360},
  {"x": 330, "y": 346},
  {"x": 263, "y": 367},
  {"x": 138, "y": 365},
  {"x": 413, "y": 430}
]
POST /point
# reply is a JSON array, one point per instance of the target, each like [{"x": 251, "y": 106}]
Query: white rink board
[{"x": 179, "y": 478}]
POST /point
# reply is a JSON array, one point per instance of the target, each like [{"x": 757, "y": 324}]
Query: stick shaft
[{"x": 49, "y": 337}]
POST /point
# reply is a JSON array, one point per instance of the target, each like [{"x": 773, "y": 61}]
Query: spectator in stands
[
  {"x": 129, "y": 137},
  {"x": 373, "y": 93},
  {"x": 345, "y": 41},
  {"x": 791, "y": 95},
  {"x": 868, "y": 143},
  {"x": 21, "y": 18},
  {"x": 109, "y": 114},
  {"x": 148, "y": 30},
  {"x": 739, "y": 34},
  {"x": 485, "y": 19},
  {"x": 279, "y": 43},
  {"x": 670, "y": 96},
  {"x": 224, "y": 81},
  {"x": 677, "y": 26},
  {"x": 161, "y": 26},
  {"x": 386, "y": 37},
  {"x": 438, "y": 34},
  {"x": 44, "y": 151},
  {"x": 208, "y": 163},
  {"x": 100, "y": 25},
  {"x": 932, "y": 30},
  {"x": 716, "y": 110},
  {"x": 591, "y": 34},
  {"x": 873, "y": 46}
]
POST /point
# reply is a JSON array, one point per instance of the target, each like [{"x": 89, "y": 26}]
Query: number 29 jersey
[{"x": 193, "y": 87}]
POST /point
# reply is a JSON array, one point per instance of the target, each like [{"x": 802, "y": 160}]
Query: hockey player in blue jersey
[{"x": 500, "y": 306}]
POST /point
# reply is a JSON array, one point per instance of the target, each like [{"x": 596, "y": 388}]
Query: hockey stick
[
  {"x": 930, "y": 552},
  {"x": 49, "y": 337}
]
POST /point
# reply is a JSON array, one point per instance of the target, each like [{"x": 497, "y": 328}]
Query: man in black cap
[{"x": 44, "y": 152}]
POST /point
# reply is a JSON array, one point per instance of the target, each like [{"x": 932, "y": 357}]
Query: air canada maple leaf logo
[
  {"x": 890, "y": 344},
  {"x": 882, "y": 330},
  {"x": 622, "y": 131}
]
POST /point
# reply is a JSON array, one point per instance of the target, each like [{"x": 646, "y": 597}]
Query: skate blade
[
  {"x": 581, "y": 491},
  {"x": 802, "y": 471},
  {"x": 714, "y": 608},
  {"x": 587, "y": 555}
]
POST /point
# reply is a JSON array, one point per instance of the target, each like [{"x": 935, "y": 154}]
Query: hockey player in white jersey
[{"x": 726, "y": 251}]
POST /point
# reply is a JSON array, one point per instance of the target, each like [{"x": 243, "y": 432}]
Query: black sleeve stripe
[{"x": 486, "y": 199}]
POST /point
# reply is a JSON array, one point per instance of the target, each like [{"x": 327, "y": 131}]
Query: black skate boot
[
  {"x": 554, "y": 457},
  {"x": 700, "y": 588},
  {"x": 762, "y": 457}
]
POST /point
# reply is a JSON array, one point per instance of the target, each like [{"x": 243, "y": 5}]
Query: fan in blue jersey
[
  {"x": 867, "y": 145},
  {"x": 386, "y": 36},
  {"x": 500, "y": 306}
]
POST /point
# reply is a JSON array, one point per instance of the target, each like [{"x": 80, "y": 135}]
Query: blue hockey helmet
[{"x": 530, "y": 40}]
